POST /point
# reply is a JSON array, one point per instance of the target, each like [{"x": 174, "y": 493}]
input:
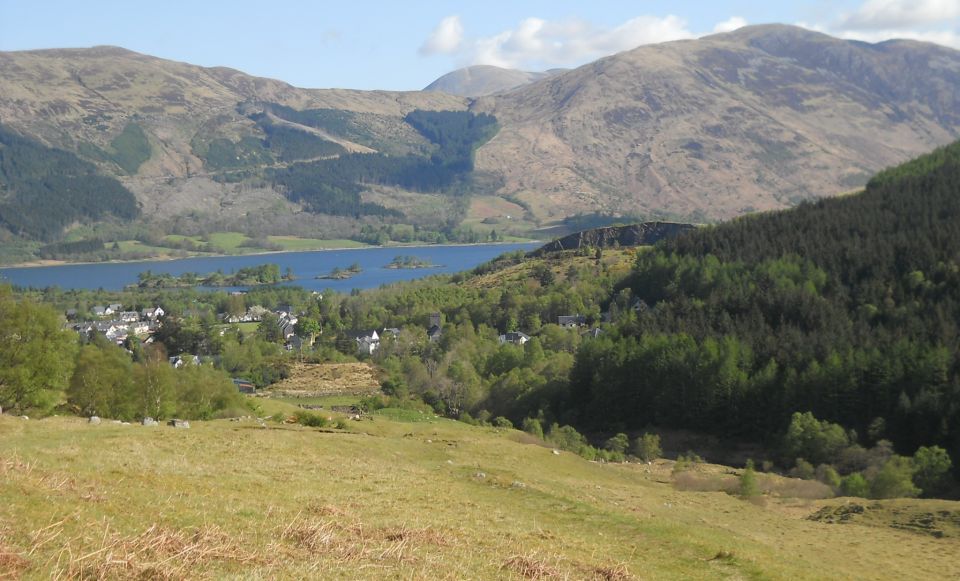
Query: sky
[{"x": 384, "y": 44}]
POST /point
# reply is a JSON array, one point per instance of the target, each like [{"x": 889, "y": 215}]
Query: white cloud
[
  {"x": 941, "y": 37},
  {"x": 730, "y": 24},
  {"x": 536, "y": 43},
  {"x": 885, "y": 15},
  {"x": 446, "y": 38},
  {"x": 936, "y": 21}
]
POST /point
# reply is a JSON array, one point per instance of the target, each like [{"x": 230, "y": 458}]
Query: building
[
  {"x": 571, "y": 321},
  {"x": 287, "y": 325},
  {"x": 367, "y": 342},
  {"x": 185, "y": 359},
  {"x": 244, "y": 385},
  {"x": 435, "y": 327},
  {"x": 514, "y": 337},
  {"x": 152, "y": 314}
]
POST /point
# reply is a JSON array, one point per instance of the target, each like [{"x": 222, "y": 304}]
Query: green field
[
  {"x": 397, "y": 498},
  {"x": 296, "y": 243}
]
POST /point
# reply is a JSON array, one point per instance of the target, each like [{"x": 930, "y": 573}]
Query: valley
[{"x": 687, "y": 309}]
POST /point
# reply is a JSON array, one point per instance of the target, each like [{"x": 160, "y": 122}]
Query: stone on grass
[
  {"x": 95, "y": 420},
  {"x": 183, "y": 424},
  {"x": 149, "y": 422}
]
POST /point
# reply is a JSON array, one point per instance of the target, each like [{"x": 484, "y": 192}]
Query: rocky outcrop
[{"x": 631, "y": 235}]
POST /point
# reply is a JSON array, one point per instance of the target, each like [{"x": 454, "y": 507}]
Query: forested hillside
[
  {"x": 43, "y": 190},
  {"x": 847, "y": 308}
]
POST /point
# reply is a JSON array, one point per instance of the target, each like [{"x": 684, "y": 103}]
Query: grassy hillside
[{"x": 388, "y": 498}]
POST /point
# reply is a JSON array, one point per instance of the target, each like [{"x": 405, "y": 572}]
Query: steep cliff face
[{"x": 631, "y": 235}]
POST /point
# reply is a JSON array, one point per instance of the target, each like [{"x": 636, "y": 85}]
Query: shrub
[
  {"x": 828, "y": 475},
  {"x": 310, "y": 420},
  {"x": 748, "y": 482},
  {"x": 803, "y": 469},
  {"x": 533, "y": 426},
  {"x": 502, "y": 422},
  {"x": 894, "y": 480},
  {"x": 855, "y": 485},
  {"x": 618, "y": 444},
  {"x": 931, "y": 469},
  {"x": 807, "y": 437},
  {"x": 686, "y": 461},
  {"x": 647, "y": 447}
]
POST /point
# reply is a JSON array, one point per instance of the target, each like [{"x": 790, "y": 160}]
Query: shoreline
[{"x": 169, "y": 258}]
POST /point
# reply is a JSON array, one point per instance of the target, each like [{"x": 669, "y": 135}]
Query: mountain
[
  {"x": 180, "y": 136},
  {"x": 755, "y": 119},
  {"x": 480, "y": 80},
  {"x": 760, "y": 118}
]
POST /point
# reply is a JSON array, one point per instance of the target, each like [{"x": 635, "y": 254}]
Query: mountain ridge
[
  {"x": 719, "y": 126},
  {"x": 483, "y": 80},
  {"x": 693, "y": 130}
]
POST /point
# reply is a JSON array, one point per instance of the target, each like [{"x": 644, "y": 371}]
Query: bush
[
  {"x": 931, "y": 469},
  {"x": 647, "y": 447},
  {"x": 803, "y": 469},
  {"x": 533, "y": 427},
  {"x": 828, "y": 475},
  {"x": 855, "y": 485},
  {"x": 894, "y": 480},
  {"x": 310, "y": 420},
  {"x": 819, "y": 442},
  {"x": 502, "y": 422},
  {"x": 618, "y": 444},
  {"x": 748, "y": 482},
  {"x": 686, "y": 461}
]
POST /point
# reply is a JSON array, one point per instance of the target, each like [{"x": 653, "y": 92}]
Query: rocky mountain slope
[
  {"x": 481, "y": 80},
  {"x": 756, "y": 119},
  {"x": 760, "y": 118},
  {"x": 83, "y": 100}
]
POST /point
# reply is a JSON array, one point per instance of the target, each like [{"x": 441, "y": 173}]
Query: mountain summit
[
  {"x": 481, "y": 80},
  {"x": 759, "y": 118}
]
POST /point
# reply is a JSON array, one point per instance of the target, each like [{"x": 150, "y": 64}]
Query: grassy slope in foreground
[{"x": 396, "y": 499}]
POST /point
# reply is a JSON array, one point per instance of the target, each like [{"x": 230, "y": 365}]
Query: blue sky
[{"x": 380, "y": 44}]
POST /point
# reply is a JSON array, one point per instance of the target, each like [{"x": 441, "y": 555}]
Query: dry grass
[
  {"x": 157, "y": 553},
  {"x": 532, "y": 566},
  {"x": 690, "y": 481},
  {"x": 351, "y": 541},
  {"x": 613, "y": 573},
  {"x": 318, "y": 380}
]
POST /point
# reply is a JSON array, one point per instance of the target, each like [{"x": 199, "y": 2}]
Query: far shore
[{"x": 169, "y": 257}]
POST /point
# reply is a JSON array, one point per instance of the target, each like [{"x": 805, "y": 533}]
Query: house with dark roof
[{"x": 571, "y": 321}]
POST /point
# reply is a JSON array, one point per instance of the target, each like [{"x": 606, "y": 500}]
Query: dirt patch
[{"x": 318, "y": 380}]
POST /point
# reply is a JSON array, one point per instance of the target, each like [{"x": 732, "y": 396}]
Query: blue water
[{"x": 305, "y": 265}]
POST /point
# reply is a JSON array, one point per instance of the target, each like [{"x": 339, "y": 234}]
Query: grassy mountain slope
[
  {"x": 756, "y": 119},
  {"x": 85, "y": 100},
  {"x": 405, "y": 497},
  {"x": 480, "y": 80}
]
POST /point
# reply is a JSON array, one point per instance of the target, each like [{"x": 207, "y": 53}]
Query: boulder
[
  {"x": 182, "y": 424},
  {"x": 95, "y": 420},
  {"x": 149, "y": 422}
]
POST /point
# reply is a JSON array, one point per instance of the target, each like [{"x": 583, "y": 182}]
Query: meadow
[{"x": 409, "y": 495}]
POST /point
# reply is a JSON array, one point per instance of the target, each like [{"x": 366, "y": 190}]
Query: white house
[
  {"x": 515, "y": 337},
  {"x": 368, "y": 342}
]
